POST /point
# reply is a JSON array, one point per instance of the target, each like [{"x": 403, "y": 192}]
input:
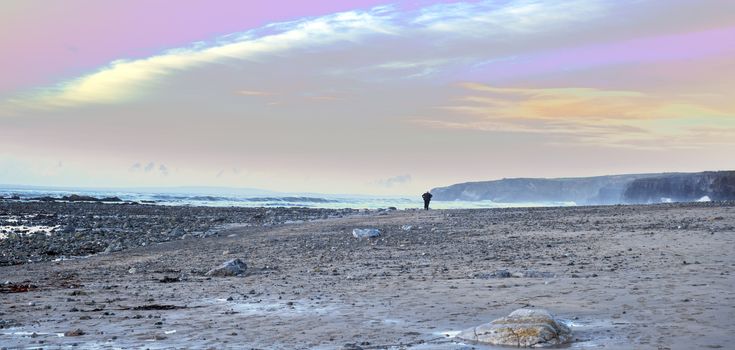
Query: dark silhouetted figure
[{"x": 427, "y": 198}]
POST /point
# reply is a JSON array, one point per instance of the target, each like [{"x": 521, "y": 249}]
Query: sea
[{"x": 219, "y": 197}]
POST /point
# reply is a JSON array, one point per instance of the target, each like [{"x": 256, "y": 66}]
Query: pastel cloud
[
  {"x": 59, "y": 40},
  {"x": 253, "y": 93},
  {"x": 685, "y": 46},
  {"x": 123, "y": 80},
  {"x": 478, "y": 20},
  {"x": 587, "y": 115},
  {"x": 126, "y": 80}
]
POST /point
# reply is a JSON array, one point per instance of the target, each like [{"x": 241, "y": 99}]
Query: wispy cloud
[
  {"x": 123, "y": 80},
  {"x": 150, "y": 168},
  {"x": 135, "y": 167},
  {"x": 163, "y": 169},
  {"x": 671, "y": 47},
  {"x": 505, "y": 17},
  {"x": 394, "y": 181},
  {"x": 253, "y": 93},
  {"x": 225, "y": 172},
  {"x": 582, "y": 115},
  {"x": 126, "y": 80}
]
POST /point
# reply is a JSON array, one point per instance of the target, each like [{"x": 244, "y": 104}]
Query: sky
[{"x": 365, "y": 96}]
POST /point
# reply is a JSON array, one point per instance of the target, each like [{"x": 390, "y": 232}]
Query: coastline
[{"x": 652, "y": 276}]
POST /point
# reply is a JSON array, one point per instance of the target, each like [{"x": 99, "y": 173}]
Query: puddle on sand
[
  {"x": 14, "y": 338},
  {"x": 33, "y": 334},
  {"x": 285, "y": 308},
  {"x": 392, "y": 321}
]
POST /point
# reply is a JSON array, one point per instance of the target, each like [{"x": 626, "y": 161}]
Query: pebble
[{"x": 74, "y": 333}]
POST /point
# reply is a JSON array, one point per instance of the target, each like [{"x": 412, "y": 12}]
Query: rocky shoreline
[
  {"x": 34, "y": 231},
  {"x": 619, "y": 277}
]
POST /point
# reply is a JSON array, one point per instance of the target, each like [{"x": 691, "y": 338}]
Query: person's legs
[{"x": 426, "y": 205}]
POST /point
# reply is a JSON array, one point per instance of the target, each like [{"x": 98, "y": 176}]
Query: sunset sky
[{"x": 372, "y": 97}]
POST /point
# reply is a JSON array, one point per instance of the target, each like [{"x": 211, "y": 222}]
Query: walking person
[{"x": 427, "y": 198}]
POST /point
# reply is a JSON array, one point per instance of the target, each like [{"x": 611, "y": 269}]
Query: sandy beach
[{"x": 623, "y": 277}]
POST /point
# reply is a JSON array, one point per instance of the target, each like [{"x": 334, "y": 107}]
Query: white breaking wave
[{"x": 310, "y": 200}]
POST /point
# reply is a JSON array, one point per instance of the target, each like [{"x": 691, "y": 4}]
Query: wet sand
[{"x": 644, "y": 277}]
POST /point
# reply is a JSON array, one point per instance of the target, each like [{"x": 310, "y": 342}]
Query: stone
[
  {"x": 406, "y": 227},
  {"x": 176, "y": 232},
  {"x": 234, "y": 267},
  {"x": 114, "y": 246},
  {"x": 494, "y": 274},
  {"x": 537, "y": 274},
  {"x": 365, "y": 232},
  {"x": 501, "y": 274},
  {"x": 522, "y": 328},
  {"x": 74, "y": 333}
]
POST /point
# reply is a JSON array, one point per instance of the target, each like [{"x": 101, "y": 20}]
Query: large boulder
[
  {"x": 234, "y": 267},
  {"x": 522, "y": 328}
]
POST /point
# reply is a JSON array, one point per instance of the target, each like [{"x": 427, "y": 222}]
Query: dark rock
[
  {"x": 536, "y": 274},
  {"x": 88, "y": 227},
  {"x": 167, "y": 279},
  {"x": 177, "y": 232},
  {"x": 114, "y": 246},
  {"x": 158, "y": 307},
  {"x": 74, "y": 333},
  {"x": 495, "y": 274},
  {"x": 79, "y": 198}
]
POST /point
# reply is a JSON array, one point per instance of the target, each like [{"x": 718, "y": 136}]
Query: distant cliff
[
  {"x": 716, "y": 186},
  {"x": 612, "y": 189}
]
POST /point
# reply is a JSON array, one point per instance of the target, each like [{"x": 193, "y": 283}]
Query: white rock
[
  {"x": 232, "y": 267},
  {"x": 365, "y": 232},
  {"x": 522, "y": 328}
]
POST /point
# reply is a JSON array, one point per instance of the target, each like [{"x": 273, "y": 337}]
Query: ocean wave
[{"x": 310, "y": 201}]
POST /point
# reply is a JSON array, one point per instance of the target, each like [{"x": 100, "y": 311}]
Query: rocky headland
[{"x": 598, "y": 190}]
